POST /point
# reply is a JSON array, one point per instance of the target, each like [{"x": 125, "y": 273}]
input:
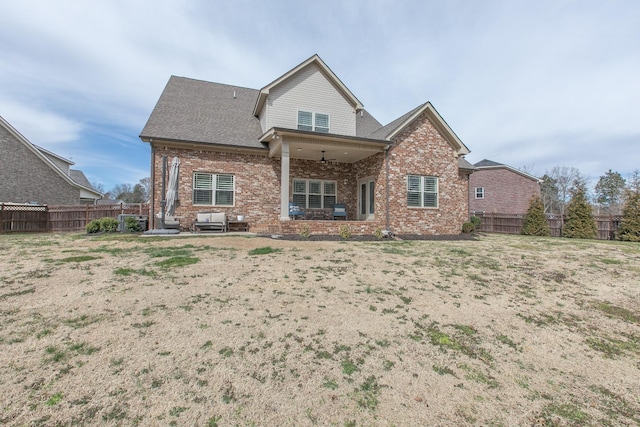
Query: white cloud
[
  {"x": 545, "y": 83},
  {"x": 40, "y": 127}
]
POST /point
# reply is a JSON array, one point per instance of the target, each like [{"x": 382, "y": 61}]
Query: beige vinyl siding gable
[
  {"x": 263, "y": 118},
  {"x": 308, "y": 90}
]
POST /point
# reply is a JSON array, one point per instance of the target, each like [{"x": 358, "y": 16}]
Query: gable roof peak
[
  {"x": 324, "y": 68},
  {"x": 392, "y": 129}
]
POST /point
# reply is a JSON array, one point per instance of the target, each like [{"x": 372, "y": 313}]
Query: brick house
[
  {"x": 32, "y": 174},
  {"x": 498, "y": 188},
  {"x": 306, "y": 138}
]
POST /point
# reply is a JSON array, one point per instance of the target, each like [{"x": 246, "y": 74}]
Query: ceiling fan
[{"x": 325, "y": 161}]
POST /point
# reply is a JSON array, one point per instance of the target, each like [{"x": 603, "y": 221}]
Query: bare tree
[
  {"x": 549, "y": 195},
  {"x": 146, "y": 187},
  {"x": 98, "y": 186},
  {"x": 565, "y": 177}
]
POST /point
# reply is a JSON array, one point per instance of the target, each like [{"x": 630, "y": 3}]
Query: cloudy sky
[{"x": 533, "y": 84}]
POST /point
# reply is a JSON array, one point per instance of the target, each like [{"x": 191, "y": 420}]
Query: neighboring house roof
[
  {"x": 490, "y": 164},
  {"x": 315, "y": 59},
  {"x": 79, "y": 177},
  {"x": 205, "y": 112},
  {"x": 82, "y": 184},
  {"x": 54, "y": 155}
]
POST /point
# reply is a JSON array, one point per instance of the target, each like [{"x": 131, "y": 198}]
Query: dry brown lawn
[{"x": 225, "y": 331}]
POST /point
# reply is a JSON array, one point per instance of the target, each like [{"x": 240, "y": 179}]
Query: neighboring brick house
[
  {"x": 31, "y": 174},
  {"x": 306, "y": 138},
  {"x": 498, "y": 188}
]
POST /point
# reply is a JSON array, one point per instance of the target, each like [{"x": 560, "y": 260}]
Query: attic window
[{"x": 317, "y": 122}]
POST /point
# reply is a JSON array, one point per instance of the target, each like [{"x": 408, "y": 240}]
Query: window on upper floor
[
  {"x": 314, "y": 193},
  {"x": 317, "y": 122},
  {"x": 213, "y": 189},
  {"x": 422, "y": 191},
  {"x": 479, "y": 192}
]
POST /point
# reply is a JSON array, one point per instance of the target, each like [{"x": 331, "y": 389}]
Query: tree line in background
[
  {"x": 560, "y": 184},
  {"x": 564, "y": 192},
  {"x": 127, "y": 193}
]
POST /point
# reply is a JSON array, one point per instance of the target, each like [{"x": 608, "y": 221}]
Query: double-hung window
[
  {"x": 213, "y": 189},
  {"x": 314, "y": 193},
  {"x": 479, "y": 192},
  {"x": 422, "y": 191},
  {"x": 317, "y": 122}
]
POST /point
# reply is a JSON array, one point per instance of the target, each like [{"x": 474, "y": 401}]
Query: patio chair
[
  {"x": 295, "y": 211},
  {"x": 339, "y": 211}
]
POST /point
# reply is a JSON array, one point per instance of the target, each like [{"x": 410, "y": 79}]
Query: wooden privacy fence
[
  {"x": 512, "y": 224},
  {"x": 17, "y": 218}
]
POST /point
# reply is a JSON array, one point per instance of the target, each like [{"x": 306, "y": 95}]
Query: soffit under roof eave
[
  {"x": 277, "y": 132},
  {"x": 201, "y": 145}
]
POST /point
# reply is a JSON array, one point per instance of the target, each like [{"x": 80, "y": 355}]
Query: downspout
[
  {"x": 152, "y": 188},
  {"x": 386, "y": 186},
  {"x": 163, "y": 201}
]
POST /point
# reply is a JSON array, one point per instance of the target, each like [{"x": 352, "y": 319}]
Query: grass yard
[{"x": 225, "y": 331}]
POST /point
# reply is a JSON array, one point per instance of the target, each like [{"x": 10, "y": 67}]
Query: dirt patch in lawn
[{"x": 215, "y": 330}]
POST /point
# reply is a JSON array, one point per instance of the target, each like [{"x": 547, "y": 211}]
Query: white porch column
[{"x": 284, "y": 182}]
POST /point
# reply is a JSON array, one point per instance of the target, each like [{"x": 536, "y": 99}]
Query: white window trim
[
  {"x": 322, "y": 193},
  {"x": 314, "y": 127},
  {"x": 421, "y": 191},
  {"x": 480, "y": 194},
  {"x": 214, "y": 181}
]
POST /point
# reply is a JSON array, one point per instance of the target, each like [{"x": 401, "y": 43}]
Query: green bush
[
  {"x": 378, "y": 233},
  {"x": 630, "y": 227},
  {"x": 476, "y": 221},
  {"x": 468, "y": 227},
  {"x": 93, "y": 226},
  {"x": 535, "y": 221},
  {"x": 108, "y": 225},
  {"x": 580, "y": 223},
  {"x": 131, "y": 224}
]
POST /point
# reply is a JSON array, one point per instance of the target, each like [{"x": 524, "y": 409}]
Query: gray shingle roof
[
  {"x": 464, "y": 164},
  {"x": 79, "y": 177},
  {"x": 205, "y": 112},
  {"x": 487, "y": 163},
  {"x": 199, "y": 111},
  {"x": 366, "y": 124},
  {"x": 385, "y": 131}
]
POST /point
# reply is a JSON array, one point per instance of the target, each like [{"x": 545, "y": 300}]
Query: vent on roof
[{"x": 234, "y": 94}]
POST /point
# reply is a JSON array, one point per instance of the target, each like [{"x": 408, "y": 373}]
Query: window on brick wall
[
  {"x": 314, "y": 193},
  {"x": 422, "y": 191},
  {"x": 317, "y": 122},
  {"x": 213, "y": 189},
  {"x": 479, "y": 192}
]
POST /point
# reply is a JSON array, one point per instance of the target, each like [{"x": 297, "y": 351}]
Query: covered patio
[{"x": 318, "y": 171}]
